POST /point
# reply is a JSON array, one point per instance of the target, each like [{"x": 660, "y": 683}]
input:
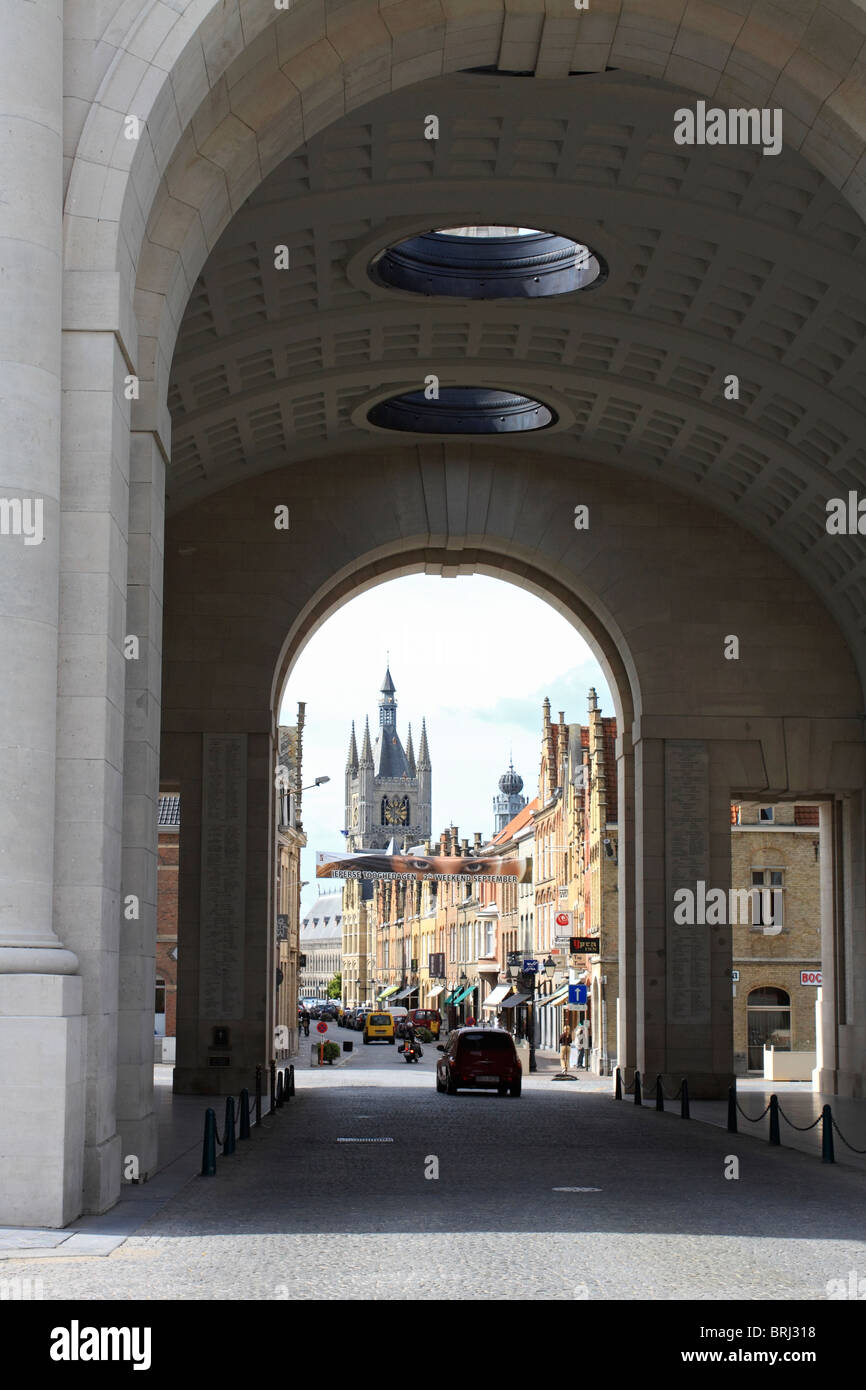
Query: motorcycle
[{"x": 411, "y": 1050}]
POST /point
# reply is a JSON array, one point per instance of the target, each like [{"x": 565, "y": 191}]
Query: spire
[
  {"x": 410, "y": 754},
  {"x": 366, "y": 747},
  {"x": 352, "y": 756},
  {"x": 388, "y": 703},
  {"x": 423, "y": 750}
]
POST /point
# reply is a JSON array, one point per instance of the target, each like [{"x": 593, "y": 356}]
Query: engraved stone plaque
[
  {"x": 223, "y": 883},
  {"x": 687, "y": 861}
]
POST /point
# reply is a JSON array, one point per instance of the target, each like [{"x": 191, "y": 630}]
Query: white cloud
[{"x": 475, "y": 655}]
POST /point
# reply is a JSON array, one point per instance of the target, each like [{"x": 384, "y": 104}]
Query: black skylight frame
[
  {"x": 462, "y": 410},
  {"x": 529, "y": 266}
]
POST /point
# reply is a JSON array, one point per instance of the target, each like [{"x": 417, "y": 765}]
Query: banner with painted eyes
[{"x": 439, "y": 868}]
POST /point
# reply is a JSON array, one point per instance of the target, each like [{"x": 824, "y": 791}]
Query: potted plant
[{"x": 330, "y": 1052}]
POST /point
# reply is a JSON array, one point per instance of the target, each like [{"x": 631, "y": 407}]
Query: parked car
[
  {"x": 379, "y": 1027},
  {"x": 328, "y": 1013},
  {"x": 479, "y": 1059}
]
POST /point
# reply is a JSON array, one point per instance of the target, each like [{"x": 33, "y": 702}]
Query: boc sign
[{"x": 810, "y": 977}]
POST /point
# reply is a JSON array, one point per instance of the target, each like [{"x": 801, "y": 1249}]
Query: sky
[{"x": 475, "y": 655}]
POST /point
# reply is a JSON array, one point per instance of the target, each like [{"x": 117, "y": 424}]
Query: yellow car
[{"x": 379, "y": 1027}]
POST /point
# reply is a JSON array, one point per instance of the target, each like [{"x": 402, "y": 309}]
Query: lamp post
[{"x": 526, "y": 981}]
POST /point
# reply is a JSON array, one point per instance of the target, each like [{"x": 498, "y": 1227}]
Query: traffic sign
[
  {"x": 577, "y": 994},
  {"x": 564, "y": 920},
  {"x": 322, "y": 1027},
  {"x": 530, "y": 966},
  {"x": 583, "y": 944}
]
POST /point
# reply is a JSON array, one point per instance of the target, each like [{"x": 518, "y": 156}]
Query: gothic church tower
[{"x": 388, "y": 790}]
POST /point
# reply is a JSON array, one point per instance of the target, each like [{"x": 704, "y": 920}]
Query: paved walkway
[{"x": 369, "y": 1184}]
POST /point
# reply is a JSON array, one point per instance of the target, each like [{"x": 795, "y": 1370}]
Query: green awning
[
  {"x": 387, "y": 992},
  {"x": 450, "y": 998},
  {"x": 462, "y": 995}
]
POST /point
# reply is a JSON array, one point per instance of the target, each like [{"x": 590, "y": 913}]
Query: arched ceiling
[{"x": 722, "y": 260}]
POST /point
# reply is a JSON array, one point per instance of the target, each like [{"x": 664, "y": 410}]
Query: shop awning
[
  {"x": 436, "y": 991},
  {"x": 404, "y": 993},
  {"x": 386, "y": 993},
  {"x": 458, "y": 999},
  {"x": 449, "y": 998},
  {"x": 496, "y": 996},
  {"x": 515, "y": 1000},
  {"x": 558, "y": 997}
]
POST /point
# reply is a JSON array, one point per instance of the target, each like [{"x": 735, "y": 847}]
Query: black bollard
[
  {"x": 685, "y": 1113},
  {"x": 287, "y": 1095},
  {"x": 208, "y": 1148},
  {"x": 258, "y": 1095},
  {"x": 273, "y": 1109},
  {"x": 732, "y": 1110},
  {"x": 291, "y": 1079},
  {"x": 244, "y": 1129},
  {"x": 638, "y": 1095},
  {"x": 660, "y": 1094},
  {"x": 617, "y": 1094},
  {"x": 229, "y": 1128},
  {"x": 279, "y": 1090},
  {"x": 827, "y": 1154},
  {"x": 775, "y": 1137}
]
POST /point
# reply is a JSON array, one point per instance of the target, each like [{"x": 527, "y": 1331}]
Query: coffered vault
[{"x": 721, "y": 260}]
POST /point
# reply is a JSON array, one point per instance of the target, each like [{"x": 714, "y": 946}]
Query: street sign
[
  {"x": 562, "y": 940},
  {"x": 321, "y": 1027},
  {"x": 564, "y": 920},
  {"x": 530, "y": 966},
  {"x": 563, "y": 894},
  {"x": 810, "y": 977},
  {"x": 580, "y": 945},
  {"x": 735, "y": 975},
  {"x": 577, "y": 994},
  {"x": 436, "y": 965}
]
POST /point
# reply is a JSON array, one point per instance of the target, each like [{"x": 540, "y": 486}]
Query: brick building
[
  {"x": 165, "y": 1001},
  {"x": 775, "y": 853}
]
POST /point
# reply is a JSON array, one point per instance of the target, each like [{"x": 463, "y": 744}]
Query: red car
[
  {"x": 426, "y": 1018},
  {"x": 480, "y": 1058}
]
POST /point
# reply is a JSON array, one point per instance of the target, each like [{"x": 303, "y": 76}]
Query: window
[
  {"x": 768, "y": 903},
  {"x": 159, "y": 1002},
  {"x": 765, "y": 813}
]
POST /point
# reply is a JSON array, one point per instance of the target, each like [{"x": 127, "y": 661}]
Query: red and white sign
[
  {"x": 564, "y": 921},
  {"x": 321, "y": 1027},
  {"x": 810, "y": 977}
]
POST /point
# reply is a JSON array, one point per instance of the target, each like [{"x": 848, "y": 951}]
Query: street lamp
[{"x": 318, "y": 783}]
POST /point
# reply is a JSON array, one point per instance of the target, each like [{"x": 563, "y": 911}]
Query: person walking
[
  {"x": 565, "y": 1046},
  {"x": 581, "y": 1045}
]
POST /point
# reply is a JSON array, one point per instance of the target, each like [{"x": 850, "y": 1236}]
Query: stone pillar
[
  {"x": 226, "y": 947},
  {"x": 135, "y": 1114},
  {"x": 843, "y": 946},
  {"x": 683, "y": 843},
  {"x": 40, "y": 1011},
  {"x": 627, "y": 964}
]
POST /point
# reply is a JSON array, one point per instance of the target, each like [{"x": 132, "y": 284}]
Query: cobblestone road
[{"x": 312, "y": 1208}]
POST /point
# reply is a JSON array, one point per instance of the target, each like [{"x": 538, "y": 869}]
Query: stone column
[
  {"x": 627, "y": 963},
  {"x": 135, "y": 1114},
  {"x": 851, "y": 988},
  {"x": 40, "y": 996},
  {"x": 683, "y": 843},
  {"x": 226, "y": 949}
]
